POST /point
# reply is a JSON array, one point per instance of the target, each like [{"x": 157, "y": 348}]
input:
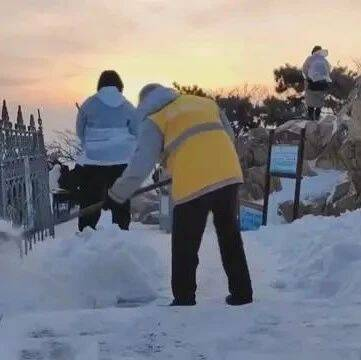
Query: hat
[
  {"x": 316, "y": 48},
  {"x": 146, "y": 90}
]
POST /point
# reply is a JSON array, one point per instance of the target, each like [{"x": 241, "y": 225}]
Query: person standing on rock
[
  {"x": 316, "y": 71},
  {"x": 188, "y": 134},
  {"x": 107, "y": 126}
]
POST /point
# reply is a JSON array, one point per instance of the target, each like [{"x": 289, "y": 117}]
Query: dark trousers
[
  {"x": 189, "y": 222},
  {"x": 314, "y": 113},
  {"x": 95, "y": 182}
]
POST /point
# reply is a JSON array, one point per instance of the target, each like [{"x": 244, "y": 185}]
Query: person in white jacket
[
  {"x": 107, "y": 127},
  {"x": 316, "y": 71}
]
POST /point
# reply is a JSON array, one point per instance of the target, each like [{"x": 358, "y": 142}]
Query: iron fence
[{"x": 24, "y": 178}]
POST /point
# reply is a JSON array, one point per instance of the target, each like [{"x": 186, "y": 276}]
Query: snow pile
[
  {"x": 318, "y": 256},
  {"x": 10, "y": 237},
  {"x": 90, "y": 270}
]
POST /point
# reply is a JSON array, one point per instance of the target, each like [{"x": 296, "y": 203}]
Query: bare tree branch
[
  {"x": 65, "y": 147},
  {"x": 357, "y": 64}
]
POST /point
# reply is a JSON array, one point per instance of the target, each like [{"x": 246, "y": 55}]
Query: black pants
[
  {"x": 95, "y": 182},
  {"x": 314, "y": 113},
  {"x": 189, "y": 221}
]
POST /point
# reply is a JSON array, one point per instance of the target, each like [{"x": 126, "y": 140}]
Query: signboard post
[{"x": 284, "y": 161}]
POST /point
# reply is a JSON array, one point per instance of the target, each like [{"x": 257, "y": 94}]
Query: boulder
[
  {"x": 150, "y": 219},
  {"x": 344, "y": 150},
  {"x": 255, "y": 182},
  {"x": 260, "y": 134},
  {"x": 340, "y": 191},
  {"x": 244, "y": 154},
  {"x": 245, "y": 192},
  {"x": 307, "y": 169},
  {"x": 252, "y": 148},
  {"x": 343, "y": 198},
  {"x": 355, "y": 176},
  {"x": 350, "y": 153},
  {"x": 318, "y": 134},
  {"x": 344, "y": 156},
  {"x": 314, "y": 206},
  {"x": 353, "y": 105},
  {"x": 347, "y": 203},
  {"x": 335, "y": 143}
]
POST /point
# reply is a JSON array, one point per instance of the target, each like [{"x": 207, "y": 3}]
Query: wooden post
[
  {"x": 267, "y": 179},
  {"x": 296, "y": 204}
]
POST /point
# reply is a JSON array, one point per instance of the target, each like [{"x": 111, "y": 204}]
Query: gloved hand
[{"x": 109, "y": 203}]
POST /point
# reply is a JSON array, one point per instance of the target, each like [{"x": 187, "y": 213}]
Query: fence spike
[
  {"x": 40, "y": 121},
  {"x": 31, "y": 126},
  {"x": 19, "y": 119},
  {"x": 4, "y": 115},
  {"x": 4, "y": 112}
]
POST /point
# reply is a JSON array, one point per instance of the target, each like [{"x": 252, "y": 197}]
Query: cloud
[
  {"x": 17, "y": 81},
  {"x": 218, "y": 13},
  {"x": 20, "y": 60},
  {"x": 68, "y": 27}
]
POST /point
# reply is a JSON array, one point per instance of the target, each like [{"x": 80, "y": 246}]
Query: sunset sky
[{"x": 52, "y": 51}]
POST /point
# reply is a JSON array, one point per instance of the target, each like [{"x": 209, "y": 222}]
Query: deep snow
[{"x": 58, "y": 302}]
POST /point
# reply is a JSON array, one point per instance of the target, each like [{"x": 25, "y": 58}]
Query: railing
[{"x": 24, "y": 178}]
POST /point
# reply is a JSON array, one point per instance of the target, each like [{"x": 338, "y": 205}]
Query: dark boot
[
  {"x": 237, "y": 300},
  {"x": 178, "y": 302},
  {"x": 317, "y": 113},
  {"x": 311, "y": 113}
]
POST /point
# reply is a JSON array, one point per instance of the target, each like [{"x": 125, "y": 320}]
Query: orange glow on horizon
[{"x": 55, "y": 60}]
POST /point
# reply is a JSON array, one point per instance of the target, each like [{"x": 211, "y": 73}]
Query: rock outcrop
[{"x": 334, "y": 143}]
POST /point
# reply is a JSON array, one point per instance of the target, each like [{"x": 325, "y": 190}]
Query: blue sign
[
  {"x": 284, "y": 159},
  {"x": 250, "y": 218}
]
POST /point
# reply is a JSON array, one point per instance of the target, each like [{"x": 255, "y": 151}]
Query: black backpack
[{"x": 321, "y": 85}]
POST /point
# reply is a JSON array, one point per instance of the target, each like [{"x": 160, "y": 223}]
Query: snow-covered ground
[{"x": 58, "y": 303}]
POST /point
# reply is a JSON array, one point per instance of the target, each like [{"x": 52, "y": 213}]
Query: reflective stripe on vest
[{"x": 181, "y": 139}]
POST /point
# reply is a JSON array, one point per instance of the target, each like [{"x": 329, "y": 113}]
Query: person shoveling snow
[{"x": 199, "y": 154}]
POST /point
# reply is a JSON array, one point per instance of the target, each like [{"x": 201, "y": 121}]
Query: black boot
[
  {"x": 238, "y": 300},
  {"x": 181, "y": 302},
  {"x": 317, "y": 113},
  {"x": 311, "y": 113}
]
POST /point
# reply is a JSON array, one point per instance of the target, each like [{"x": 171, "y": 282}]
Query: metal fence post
[
  {"x": 29, "y": 193},
  {"x": 24, "y": 180}
]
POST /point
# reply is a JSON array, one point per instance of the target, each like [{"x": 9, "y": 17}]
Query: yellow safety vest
[{"x": 199, "y": 154}]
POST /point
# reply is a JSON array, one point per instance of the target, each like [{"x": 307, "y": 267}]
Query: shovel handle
[{"x": 98, "y": 206}]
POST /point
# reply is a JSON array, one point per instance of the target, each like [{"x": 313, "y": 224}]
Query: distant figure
[
  {"x": 107, "y": 126},
  {"x": 316, "y": 71}
]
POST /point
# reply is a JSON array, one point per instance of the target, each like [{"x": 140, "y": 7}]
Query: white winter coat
[
  {"x": 107, "y": 126},
  {"x": 316, "y": 67}
]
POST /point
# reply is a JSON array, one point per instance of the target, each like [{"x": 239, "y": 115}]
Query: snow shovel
[
  {"x": 98, "y": 206},
  {"x": 6, "y": 236}
]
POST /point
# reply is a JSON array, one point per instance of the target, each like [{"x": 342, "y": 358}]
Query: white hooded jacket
[
  {"x": 107, "y": 126},
  {"x": 316, "y": 67}
]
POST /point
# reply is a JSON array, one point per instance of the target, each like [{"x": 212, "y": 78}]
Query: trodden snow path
[{"x": 58, "y": 303}]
